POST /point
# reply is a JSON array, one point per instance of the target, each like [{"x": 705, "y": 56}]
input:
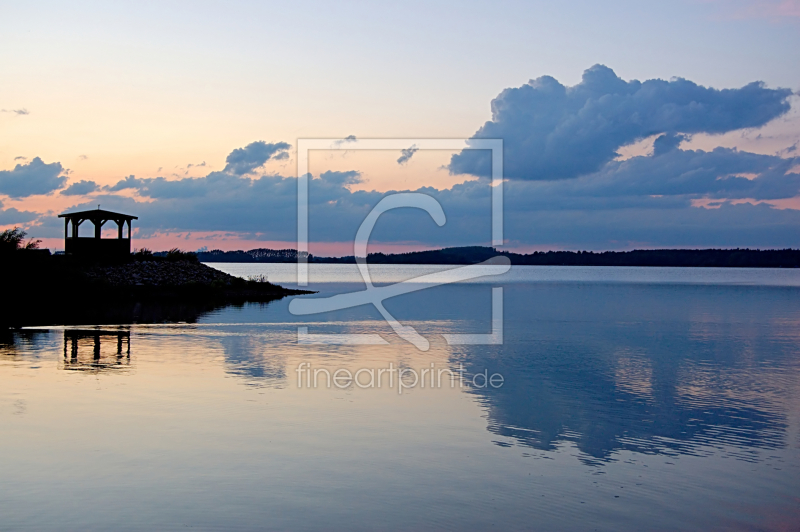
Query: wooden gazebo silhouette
[{"x": 94, "y": 246}]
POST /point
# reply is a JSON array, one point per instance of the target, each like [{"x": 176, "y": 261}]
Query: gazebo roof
[{"x": 97, "y": 214}]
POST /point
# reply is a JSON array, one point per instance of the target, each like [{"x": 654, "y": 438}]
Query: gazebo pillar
[{"x": 98, "y": 227}]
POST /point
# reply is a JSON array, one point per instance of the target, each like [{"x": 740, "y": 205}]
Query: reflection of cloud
[
  {"x": 249, "y": 357},
  {"x": 612, "y": 368},
  {"x": 634, "y": 375},
  {"x": 23, "y": 343}
]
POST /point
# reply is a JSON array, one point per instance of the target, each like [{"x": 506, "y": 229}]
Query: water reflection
[
  {"x": 11, "y": 340},
  {"x": 96, "y": 350},
  {"x": 652, "y": 369},
  {"x": 30, "y": 347},
  {"x": 648, "y": 386},
  {"x": 249, "y": 357},
  {"x": 658, "y": 369}
]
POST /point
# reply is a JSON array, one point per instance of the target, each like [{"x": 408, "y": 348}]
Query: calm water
[{"x": 632, "y": 399}]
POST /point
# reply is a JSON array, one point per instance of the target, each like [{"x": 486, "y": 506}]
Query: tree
[{"x": 12, "y": 240}]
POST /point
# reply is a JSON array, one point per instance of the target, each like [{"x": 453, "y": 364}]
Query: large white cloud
[{"x": 550, "y": 131}]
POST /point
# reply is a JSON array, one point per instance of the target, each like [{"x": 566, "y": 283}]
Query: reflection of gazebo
[
  {"x": 92, "y": 357},
  {"x": 94, "y": 246}
]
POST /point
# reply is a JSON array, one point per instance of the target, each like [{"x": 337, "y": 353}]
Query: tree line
[{"x": 716, "y": 258}]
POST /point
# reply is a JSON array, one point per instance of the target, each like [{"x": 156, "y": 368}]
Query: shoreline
[
  {"x": 43, "y": 290},
  {"x": 690, "y": 258}
]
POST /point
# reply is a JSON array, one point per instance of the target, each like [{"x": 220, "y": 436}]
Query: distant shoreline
[{"x": 690, "y": 258}]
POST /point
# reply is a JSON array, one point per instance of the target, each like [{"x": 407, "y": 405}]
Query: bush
[
  {"x": 143, "y": 254},
  {"x": 176, "y": 255},
  {"x": 11, "y": 240}
]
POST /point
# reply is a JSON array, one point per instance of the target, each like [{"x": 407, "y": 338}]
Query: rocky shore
[
  {"x": 162, "y": 273},
  {"x": 41, "y": 290}
]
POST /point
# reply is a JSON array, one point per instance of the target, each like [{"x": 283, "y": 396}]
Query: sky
[{"x": 625, "y": 124}]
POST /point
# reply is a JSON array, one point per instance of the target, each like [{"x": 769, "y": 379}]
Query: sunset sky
[{"x": 187, "y": 114}]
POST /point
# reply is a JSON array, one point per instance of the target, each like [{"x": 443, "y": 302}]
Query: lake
[{"x": 619, "y": 399}]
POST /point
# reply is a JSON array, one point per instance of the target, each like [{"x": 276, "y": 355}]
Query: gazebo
[{"x": 95, "y": 246}]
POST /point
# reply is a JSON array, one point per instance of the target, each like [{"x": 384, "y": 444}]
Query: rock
[{"x": 158, "y": 274}]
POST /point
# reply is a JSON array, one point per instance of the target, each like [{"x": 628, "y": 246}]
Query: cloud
[
  {"x": 18, "y": 112},
  {"x": 789, "y": 150},
  {"x": 245, "y": 160},
  {"x": 550, "y": 131},
  {"x": 644, "y": 199},
  {"x": 240, "y": 162},
  {"x": 617, "y": 208},
  {"x": 407, "y": 154},
  {"x": 13, "y": 216},
  {"x": 669, "y": 177},
  {"x": 213, "y": 185},
  {"x": 80, "y": 188},
  {"x": 83, "y": 157},
  {"x": 35, "y": 177},
  {"x": 159, "y": 187},
  {"x": 188, "y": 167},
  {"x": 666, "y": 143},
  {"x": 743, "y": 225},
  {"x": 346, "y": 140},
  {"x": 351, "y": 177},
  {"x": 123, "y": 184}
]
